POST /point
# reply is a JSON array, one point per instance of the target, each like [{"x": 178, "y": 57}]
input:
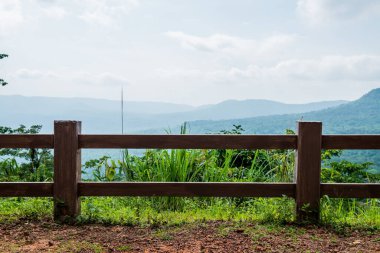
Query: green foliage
[
  {"x": 2, "y": 82},
  {"x": 342, "y": 171},
  {"x": 219, "y": 166},
  {"x": 343, "y": 214},
  {"x": 348, "y": 172},
  {"x": 25, "y": 164},
  {"x": 189, "y": 166}
]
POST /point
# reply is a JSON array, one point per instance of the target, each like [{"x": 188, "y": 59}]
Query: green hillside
[{"x": 358, "y": 117}]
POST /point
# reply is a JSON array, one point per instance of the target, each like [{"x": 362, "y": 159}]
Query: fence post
[
  {"x": 308, "y": 171},
  {"x": 67, "y": 170}
]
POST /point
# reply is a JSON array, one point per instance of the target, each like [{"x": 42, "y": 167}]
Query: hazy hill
[
  {"x": 360, "y": 116},
  {"x": 233, "y": 109},
  {"x": 97, "y": 115},
  {"x": 103, "y": 116}
]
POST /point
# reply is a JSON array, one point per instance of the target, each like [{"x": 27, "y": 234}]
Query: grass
[
  {"x": 142, "y": 211},
  {"x": 80, "y": 246},
  {"x": 124, "y": 248}
]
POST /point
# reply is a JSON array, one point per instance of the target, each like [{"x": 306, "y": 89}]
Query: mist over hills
[
  {"x": 359, "y": 116},
  {"x": 104, "y": 116},
  {"x": 256, "y": 116}
]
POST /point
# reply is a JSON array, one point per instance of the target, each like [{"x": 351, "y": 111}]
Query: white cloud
[
  {"x": 29, "y": 74},
  {"x": 10, "y": 15},
  {"x": 178, "y": 72},
  {"x": 54, "y": 12},
  {"x": 216, "y": 42},
  {"x": 84, "y": 78},
  {"x": 233, "y": 45},
  {"x": 356, "y": 67},
  {"x": 328, "y": 68},
  {"x": 104, "y": 79},
  {"x": 110, "y": 79},
  {"x": 324, "y": 11},
  {"x": 105, "y": 12}
]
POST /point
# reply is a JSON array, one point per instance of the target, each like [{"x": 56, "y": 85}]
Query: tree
[
  {"x": 2, "y": 82},
  {"x": 25, "y": 164}
]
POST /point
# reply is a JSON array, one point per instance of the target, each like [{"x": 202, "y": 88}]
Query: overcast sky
[{"x": 191, "y": 51}]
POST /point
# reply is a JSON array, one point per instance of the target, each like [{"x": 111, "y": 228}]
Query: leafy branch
[{"x": 2, "y": 82}]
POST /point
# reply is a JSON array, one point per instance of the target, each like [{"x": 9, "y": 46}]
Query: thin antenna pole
[{"x": 122, "y": 110}]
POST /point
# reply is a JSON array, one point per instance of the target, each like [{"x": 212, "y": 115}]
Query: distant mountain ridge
[
  {"x": 104, "y": 116},
  {"x": 359, "y": 116}
]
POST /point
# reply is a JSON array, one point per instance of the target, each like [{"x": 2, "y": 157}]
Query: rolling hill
[
  {"x": 104, "y": 116},
  {"x": 359, "y": 116}
]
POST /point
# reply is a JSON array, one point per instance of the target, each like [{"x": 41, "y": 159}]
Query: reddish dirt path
[{"x": 206, "y": 237}]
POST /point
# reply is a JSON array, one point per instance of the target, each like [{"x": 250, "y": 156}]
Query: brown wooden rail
[
  {"x": 67, "y": 187},
  {"x": 27, "y": 141},
  {"x": 189, "y": 141}
]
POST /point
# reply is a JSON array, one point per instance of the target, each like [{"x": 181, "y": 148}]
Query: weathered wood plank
[
  {"x": 23, "y": 189},
  {"x": 187, "y": 189},
  {"x": 189, "y": 141},
  {"x": 26, "y": 141},
  {"x": 351, "y": 142},
  {"x": 308, "y": 171},
  {"x": 67, "y": 169},
  {"x": 345, "y": 190}
]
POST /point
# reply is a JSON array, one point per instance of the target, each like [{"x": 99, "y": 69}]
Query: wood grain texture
[
  {"x": 26, "y": 141},
  {"x": 67, "y": 169},
  {"x": 187, "y": 189},
  {"x": 189, "y": 141},
  {"x": 22, "y": 189},
  {"x": 351, "y": 142},
  {"x": 308, "y": 171},
  {"x": 351, "y": 190}
]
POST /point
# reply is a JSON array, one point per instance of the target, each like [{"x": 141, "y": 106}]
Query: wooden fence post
[
  {"x": 67, "y": 170},
  {"x": 308, "y": 171}
]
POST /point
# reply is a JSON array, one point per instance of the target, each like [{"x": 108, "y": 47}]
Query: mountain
[
  {"x": 234, "y": 109},
  {"x": 361, "y": 116},
  {"x": 358, "y": 117},
  {"x": 104, "y": 116},
  {"x": 97, "y": 115}
]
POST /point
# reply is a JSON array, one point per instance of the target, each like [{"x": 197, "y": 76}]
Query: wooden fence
[{"x": 67, "y": 142}]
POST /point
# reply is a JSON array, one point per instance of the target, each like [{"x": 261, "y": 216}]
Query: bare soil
[{"x": 29, "y": 236}]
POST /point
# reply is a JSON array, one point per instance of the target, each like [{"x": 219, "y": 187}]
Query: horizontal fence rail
[
  {"x": 21, "y": 189},
  {"x": 351, "y": 141},
  {"x": 189, "y": 141},
  {"x": 67, "y": 142},
  {"x": 342, "y": 190},
  {"x": 27, "y": 141},
  {"x": 207, "y": 141},
  {"x": 188, "y": 189}
]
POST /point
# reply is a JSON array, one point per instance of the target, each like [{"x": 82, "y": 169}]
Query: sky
[{"x": 191, "y": 51}]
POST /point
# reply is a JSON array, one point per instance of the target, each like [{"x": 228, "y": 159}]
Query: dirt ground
[{"x": 201, "y": 237}]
